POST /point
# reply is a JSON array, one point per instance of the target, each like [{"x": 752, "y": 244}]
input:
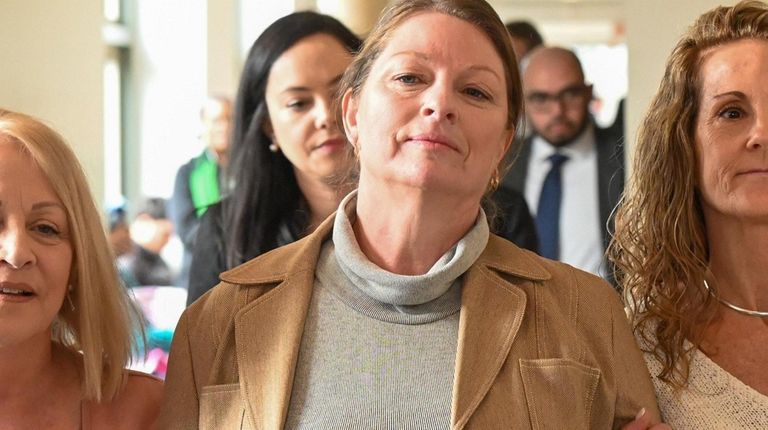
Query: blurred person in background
[
  {"x": 570, "y": 171},
  {"x": 65, "y": 322},
  {"x": 402, "y": 310},
  {"x": 525, "y": 38},
  {"x": 692, "y": 230},
  {"x": 287, "y": 151},
  {"x": 199, "y": 183},
  {"x": 119, "y": 231},
  {"x": 150, "y": 232}
]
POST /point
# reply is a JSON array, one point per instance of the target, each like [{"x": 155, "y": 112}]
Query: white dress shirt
[{"x": 581, "y": 240}]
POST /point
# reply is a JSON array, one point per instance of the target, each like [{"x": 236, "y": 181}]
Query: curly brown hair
[{"x": 660, "y": 248}]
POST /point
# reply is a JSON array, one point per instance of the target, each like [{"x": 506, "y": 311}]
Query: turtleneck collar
[{"x": 438, "y": 289}]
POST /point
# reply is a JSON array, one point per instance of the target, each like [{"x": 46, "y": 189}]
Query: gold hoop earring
[{"x": 493, "y": 185}]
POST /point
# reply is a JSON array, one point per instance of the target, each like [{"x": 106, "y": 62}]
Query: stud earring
[{"x": 273, "y": 147}]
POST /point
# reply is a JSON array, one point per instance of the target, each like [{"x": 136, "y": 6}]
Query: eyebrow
[
  {"x": 737, "y": 94},
  {"x": 47, "y": 205},
  {"x": 333, "y": 81},
  {"x": 43, "y": 205},
  {"x": 476, "y": 67}
]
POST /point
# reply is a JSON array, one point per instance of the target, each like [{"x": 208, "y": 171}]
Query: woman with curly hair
[{"x": 691, "y": 232}]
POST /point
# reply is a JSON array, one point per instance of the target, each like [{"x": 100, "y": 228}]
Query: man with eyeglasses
[{"x": 570, "y": 171}]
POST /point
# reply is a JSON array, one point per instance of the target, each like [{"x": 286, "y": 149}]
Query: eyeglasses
[{"x": 570, "y": 96}]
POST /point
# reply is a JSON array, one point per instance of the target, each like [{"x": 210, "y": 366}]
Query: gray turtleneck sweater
[{"x": 379, "y": 349}]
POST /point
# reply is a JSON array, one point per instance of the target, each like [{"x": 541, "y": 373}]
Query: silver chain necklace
[{"x": 761, "y": 314}]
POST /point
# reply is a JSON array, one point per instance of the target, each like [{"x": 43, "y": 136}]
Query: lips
[
  {"x": 330, "y": 144},
  {"x": 433, "y": 139},
  {"x": 12, "y": 291}
]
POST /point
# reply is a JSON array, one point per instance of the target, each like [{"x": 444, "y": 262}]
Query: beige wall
[
  {"x": 359, "y": 15},
  {"x": 224, "y": 62},
  {"x": 653, "y": 28},
  {"x": 52, "y": 67}
]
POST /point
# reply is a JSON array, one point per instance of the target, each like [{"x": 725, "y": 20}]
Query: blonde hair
[
  {"x": 101, "y": 323},
  {"x": 660, "y": 248}
]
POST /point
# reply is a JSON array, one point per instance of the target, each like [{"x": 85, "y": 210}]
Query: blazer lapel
[
  {"x": 268, "y": 337},
  {"x": 492, "y": 311},
  {"x": 268, "y": 330}
]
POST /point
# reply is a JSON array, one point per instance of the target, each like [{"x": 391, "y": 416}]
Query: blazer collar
[
  {"x": 492, "y": 310},
  {"x": 268, "y": 330}
]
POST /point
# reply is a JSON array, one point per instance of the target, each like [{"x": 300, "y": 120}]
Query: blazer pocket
[
  {"x": 221, "y": 407},
  {"x": 559, "y": 392}
]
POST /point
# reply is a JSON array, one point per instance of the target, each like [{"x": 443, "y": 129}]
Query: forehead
[
  {"x": 312, "y": 60},
  {"x": 215, "y": 109},
  {"x": 734, "y": 66},
  {"x": 21, "y": 176},
  {"x": 440, "y": 37},
  {"x": 551, "y": 71}
]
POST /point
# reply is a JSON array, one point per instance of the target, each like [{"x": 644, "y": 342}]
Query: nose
[
  {"x": 759, "y": 137},
  {"x": 324, "y": 118},
  {"x": 438, "y": 103},
  {"x": 15, "y": 249},
  {"x": 558, "y": 106}
]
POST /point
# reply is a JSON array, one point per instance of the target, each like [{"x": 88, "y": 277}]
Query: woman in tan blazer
[{"x": 402, "y": 311}]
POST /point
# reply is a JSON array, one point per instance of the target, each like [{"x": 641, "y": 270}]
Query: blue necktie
[{"x": 548, "y": 213}]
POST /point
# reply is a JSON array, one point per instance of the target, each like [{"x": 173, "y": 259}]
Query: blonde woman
[
  {"x": 65, "y": 321},
  {"x": 691, "y": 247}
]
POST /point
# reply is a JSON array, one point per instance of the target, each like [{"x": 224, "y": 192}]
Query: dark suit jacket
[
  {"x": 184, "y": 216},
  {"x": 610, "y": 174}
]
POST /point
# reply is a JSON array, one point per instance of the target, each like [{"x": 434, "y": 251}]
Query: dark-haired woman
[{"x": 286, "y": 147}]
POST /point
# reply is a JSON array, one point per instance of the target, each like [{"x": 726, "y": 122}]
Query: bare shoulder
[{"x": 136, "y": 407}]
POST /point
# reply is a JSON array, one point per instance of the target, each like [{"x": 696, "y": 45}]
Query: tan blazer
[{"x": 541, "y": 345}]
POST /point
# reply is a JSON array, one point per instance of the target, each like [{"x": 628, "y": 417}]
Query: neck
[
  {"x": 23, "y": 366},
  {"x": 40, "y": 385},
  {"x": 739, "y": 260},
  {"x": 405, "y": 230},
  {"x": 220, "y": 156},
  {"x": 322, "y": 198}
]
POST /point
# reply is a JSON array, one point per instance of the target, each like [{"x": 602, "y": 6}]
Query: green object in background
[{"x": 204, "y": 183}]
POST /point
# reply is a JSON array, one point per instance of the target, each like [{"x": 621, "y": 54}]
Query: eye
[
  {"x": 477, "y": 93},
  {"x": 46, "y": 230},
  {"x": 408, "y": 79},
  {"x": 570, "y": 94},
  {"x": 731, "y": 113},
  {"x": 298, "y": 104},
  {"x": 538, "y": 98}
]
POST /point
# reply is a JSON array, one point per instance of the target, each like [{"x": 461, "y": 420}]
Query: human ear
[
  {"x": 509, "y": 137},
  {"x": 349, "y": 108}
]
